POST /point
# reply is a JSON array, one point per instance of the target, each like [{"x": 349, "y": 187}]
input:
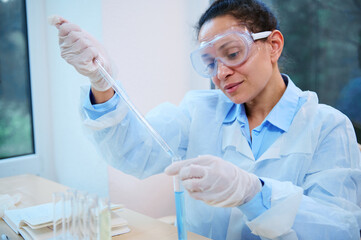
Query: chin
[{"x": 237, "y": 99}]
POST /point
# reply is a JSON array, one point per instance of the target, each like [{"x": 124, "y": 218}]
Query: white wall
[
  {"x": 150, "y": 42},
  {"x": 76, "y": 162}
]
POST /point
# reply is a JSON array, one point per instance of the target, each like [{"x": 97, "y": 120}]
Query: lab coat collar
[
  {"x": 232, "y": 114},
  {"x": 299, "y": 127},
  {"x": 224, "y": 107},
  {"x": 284, "y": 111}
]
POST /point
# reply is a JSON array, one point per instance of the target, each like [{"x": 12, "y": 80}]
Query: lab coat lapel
[
  {"x": 274, "y": 151},
  {"x": 232, "y": 136}
]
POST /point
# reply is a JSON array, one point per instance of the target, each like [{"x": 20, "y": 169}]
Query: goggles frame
[{"x": 247, "y": 37}]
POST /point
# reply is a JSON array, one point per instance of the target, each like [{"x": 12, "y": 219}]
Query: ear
[{"x": 276, "y": 40}]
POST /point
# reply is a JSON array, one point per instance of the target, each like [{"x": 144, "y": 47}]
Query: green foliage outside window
[{"x": 16, "y": 132}]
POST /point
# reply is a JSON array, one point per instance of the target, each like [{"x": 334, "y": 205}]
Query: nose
[{"x": 223, "y": 71}]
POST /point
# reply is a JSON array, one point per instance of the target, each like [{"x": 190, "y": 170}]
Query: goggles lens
[{"x": 231, "y": 49}]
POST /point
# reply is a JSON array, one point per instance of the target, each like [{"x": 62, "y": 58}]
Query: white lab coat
[{"x": 312, "y": 170}]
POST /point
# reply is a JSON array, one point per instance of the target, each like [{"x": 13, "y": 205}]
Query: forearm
[
  {"x": 129, "y": 147},
  {"x": 125, "y": 142}
]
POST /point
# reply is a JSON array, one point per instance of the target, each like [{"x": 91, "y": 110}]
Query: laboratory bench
[{"x": 37, "y": 190}]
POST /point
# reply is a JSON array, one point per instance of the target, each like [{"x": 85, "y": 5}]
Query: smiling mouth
[{"x": 232, "y": 87}]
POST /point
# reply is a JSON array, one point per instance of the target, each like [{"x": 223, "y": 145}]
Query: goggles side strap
[{"x": 260, "y": 35}]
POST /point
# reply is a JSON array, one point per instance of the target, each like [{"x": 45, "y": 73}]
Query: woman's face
[{"x": 242, "y": 83}]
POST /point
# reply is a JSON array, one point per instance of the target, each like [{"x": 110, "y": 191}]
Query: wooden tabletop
[{"x": 36, "y": 190}]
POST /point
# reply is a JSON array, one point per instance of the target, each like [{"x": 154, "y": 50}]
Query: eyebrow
[
  {"x": 225, "y": 45},
  {"x": 221, "y": 47}
]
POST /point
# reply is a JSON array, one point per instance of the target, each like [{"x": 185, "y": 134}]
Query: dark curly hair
[{"x": 255, "y": 15}]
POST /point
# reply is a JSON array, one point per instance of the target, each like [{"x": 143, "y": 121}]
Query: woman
[{"x": 264, "y": 159}]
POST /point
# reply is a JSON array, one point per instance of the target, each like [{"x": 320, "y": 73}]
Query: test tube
[
  {"x": 178, "y": 191},
  {"x": 72, "y": 213},
  {"x": 80, "y": 216},
  {"x": 59, "y": 216},
  {"x": 179, "y": 203},
  {"x": 86, "y": 225},
  {"x": 104, "y": 225},
  {"x": 79, "y": 229}
]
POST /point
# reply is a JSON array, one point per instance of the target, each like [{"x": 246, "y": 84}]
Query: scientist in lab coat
[{"x": 263, "y": 159}]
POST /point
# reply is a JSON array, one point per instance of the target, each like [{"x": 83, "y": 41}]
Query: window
[
  {"x": 16, "y": 127},
  {"x": 323, "y": 50}
]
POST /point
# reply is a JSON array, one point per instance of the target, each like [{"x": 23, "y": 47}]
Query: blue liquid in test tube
[
  {"x": 179, "y": 204},
  {"x": 178, "y": 190}
]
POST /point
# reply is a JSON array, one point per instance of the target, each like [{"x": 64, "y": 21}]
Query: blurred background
[{"x": 149, "y": 41}]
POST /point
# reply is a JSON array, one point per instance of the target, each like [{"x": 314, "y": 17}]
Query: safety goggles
[{"x": 231, "y": 48}]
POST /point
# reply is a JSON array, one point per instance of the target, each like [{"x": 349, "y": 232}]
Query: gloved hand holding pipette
[
  {"x": 215, "y": 181},
  {"x": 80, "y": 49},
  {"x": 86, "y": 55}
]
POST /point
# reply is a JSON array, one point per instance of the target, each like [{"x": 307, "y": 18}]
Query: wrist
[
  {"x": 100, "y": 84},
  {"x": 97, "y": 96},
  {"x": 260, "y": 203},
  {"x": 255, "y": 186}
]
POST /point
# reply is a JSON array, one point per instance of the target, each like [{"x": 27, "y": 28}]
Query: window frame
[{"x": 40, "y": 162}]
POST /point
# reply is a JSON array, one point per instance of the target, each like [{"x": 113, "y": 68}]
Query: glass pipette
[{"x": 178, "y": 190}]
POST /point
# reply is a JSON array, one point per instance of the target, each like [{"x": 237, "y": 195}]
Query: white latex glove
[
  {"x": 80, "y": 49},
  {"x": 215, "y": 181}
]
